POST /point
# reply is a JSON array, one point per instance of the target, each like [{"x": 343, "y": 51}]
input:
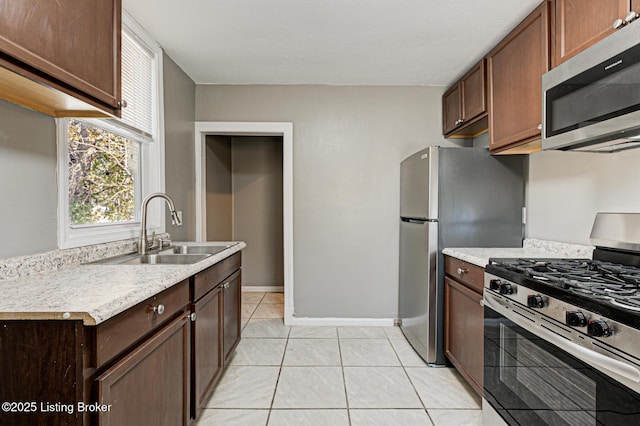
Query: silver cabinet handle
[
  {"x": 462, "y": 271},
  {"x": 631, "y": 16},
  {"x": 193, "y": 316},
  {"x": 158, "y": 309},
  {"x": 122, "y": 103},
  {"x": 226, "y": 285},
  {"x": 539, "y": 126},
  {"x": 459, "y": 122},
  {"x": 619, "y": 23},
  {"x": 481, "y": 302}
]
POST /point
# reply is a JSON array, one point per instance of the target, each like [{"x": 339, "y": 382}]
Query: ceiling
[{"x": 330, "y": 42}]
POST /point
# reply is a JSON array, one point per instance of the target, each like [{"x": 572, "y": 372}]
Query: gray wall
[
  {"x": 348, "y": 144},
  {"x": 28, "y": 188},
  {"x": 219, "y": 189},
  {"x": 566, "y": 189},
  {"x": 179, "y": 112},
  {"x": 257, "y": 208}
]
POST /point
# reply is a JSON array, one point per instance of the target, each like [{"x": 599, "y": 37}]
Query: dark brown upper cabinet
[
  {"x": 515, "y": 69},
  {"x": 578, "y": 24},
  {"x": 464, "y": 104},
  {"x": 61, "y": 58}
]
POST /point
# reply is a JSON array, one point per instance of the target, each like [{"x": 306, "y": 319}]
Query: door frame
[{"x": 284, "y": 129}]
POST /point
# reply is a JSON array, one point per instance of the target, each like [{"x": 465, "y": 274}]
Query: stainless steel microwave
[{"x": 592, "y": 101}]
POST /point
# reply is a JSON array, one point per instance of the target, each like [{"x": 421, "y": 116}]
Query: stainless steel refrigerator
[{"x": 450, "y": 197}]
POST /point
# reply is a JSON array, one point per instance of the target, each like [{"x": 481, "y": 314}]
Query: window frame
[{"x": 152, "y": 166}]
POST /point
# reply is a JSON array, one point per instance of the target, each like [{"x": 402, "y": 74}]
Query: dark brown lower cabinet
[
  {"x": 232, "y": 301},
  {"x": 149, "y": 386},
  {"x": 153, "y": 364},
  {"x": 464, "y": 320},
  {"x": 216, "y": 326},
  {"x": 207, "y": 354}
]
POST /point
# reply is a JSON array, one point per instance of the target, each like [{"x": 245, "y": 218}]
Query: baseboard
[
  {"x": 332, "y": 321},
  {"x": 263, "y": 288}
]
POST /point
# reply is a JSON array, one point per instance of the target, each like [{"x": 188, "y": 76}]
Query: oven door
[{"x": 530, "y": 381}]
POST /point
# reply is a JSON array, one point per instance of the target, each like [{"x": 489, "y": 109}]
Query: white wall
[
  {"x": 566, "y": 189},
  {"x": 347, "y": 146}
]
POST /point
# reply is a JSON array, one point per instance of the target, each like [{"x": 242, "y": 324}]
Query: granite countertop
[
  {"x": 94, "y": 293},
  {"x": 531, "y": 248}
]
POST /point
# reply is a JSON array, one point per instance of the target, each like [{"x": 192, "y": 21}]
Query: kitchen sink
[
  {"x": 196, "y": 249},
  {"x": 178, "y": 254},
  {"x": 155, "y": 259}
]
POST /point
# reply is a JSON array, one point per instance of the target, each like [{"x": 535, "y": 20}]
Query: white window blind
[{"x": 137, "y": 85}]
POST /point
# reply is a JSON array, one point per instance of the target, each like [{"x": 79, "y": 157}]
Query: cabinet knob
[
  {"x": 481, "y": 302},
  {"x": 619, "y": 23},
  {"x": 225, "y": 285},
  {"x": 193, "y": 316},
  {"x": 122, "y": 103},
  {"x": 462, "y": 271},
  {"x": 631, "y": 16},
  {"x": 459, "y": 121},
  {"x": 539, "y": 126},
  {"x": 158, "y": 309}
]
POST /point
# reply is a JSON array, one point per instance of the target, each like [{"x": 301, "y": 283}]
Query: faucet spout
[{"x": 143, "y": 244}]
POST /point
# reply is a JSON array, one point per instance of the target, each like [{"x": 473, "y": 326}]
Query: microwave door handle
[{"x": 589, "y": 356}]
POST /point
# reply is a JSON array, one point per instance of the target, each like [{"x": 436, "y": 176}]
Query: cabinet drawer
[
  {"x": 211, "y": 277},
  {"x": 125, "y": 329},
  {"x": 465, "y": 272}
]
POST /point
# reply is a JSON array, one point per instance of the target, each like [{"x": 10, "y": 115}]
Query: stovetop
[{"x": 611, "y": 289}]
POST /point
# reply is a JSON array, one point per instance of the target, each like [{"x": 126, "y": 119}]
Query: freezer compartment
[{"x": 419, "y": 185}]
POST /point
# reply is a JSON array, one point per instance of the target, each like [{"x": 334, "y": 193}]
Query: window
[{"x": 106, "y": 166}]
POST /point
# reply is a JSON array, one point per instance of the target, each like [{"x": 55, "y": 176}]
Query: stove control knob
[
  {"x": 495, "y": 285},
  {"x": 575, "y": 319},
  {"x": 535, "y": 301},
  {"x": 506, "y": 288},
  {"x": 598, "y": 328}
]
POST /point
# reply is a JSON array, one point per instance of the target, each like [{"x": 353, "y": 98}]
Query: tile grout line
[
  {"x": 404, "y": 368},
  {"x": 344, "y": 380},
  {"x": 273, "y": 398}
]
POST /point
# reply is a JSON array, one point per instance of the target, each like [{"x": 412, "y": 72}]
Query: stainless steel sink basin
[
  {"x": 196, "y": 249},
  {"x": 155, "y": 259},
  {"x": 178, "y": 254}
]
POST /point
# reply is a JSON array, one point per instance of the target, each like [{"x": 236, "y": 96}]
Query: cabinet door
[
  {"x": 232, "y": 305},
  {"x": 207, "y": 353},
  {"x": 578, "y": 24},
  {"x": 464, "y": 331},
  {"x": 77, "y": 42},
  {"x": 474, "y": 92},
  {"x": 516, "y": 66},
  {"x": 451, "y": 109},
  {"x": 150, "y": 386}
]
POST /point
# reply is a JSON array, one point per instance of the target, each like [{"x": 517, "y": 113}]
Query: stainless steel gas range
[{"x": 562, "y": 336}]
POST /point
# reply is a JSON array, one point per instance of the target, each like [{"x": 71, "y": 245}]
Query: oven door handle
[{"x": 587, "y": 355}]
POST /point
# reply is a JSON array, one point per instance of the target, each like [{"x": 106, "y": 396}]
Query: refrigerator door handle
[{"x": 418, "y": 221}]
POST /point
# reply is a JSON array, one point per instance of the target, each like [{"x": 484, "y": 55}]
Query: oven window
[
  {"x": 531, "y": 382},
  {"x": 555, "y": 391}
]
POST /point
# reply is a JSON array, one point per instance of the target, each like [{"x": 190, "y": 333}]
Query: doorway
[
  {"x": 254, "y": 142},
  {"x": 244, "y": 203}
]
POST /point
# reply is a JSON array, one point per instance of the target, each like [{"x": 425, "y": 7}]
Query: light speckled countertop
[
  {"x": 94, "y": 293},
  {"x": 531, "y": 248}
]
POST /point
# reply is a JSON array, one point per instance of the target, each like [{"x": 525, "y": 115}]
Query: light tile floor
[{"x": 358, "y": 376}]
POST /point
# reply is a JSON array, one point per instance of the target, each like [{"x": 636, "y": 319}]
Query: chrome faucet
[{"x": 144, "y": 244}]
